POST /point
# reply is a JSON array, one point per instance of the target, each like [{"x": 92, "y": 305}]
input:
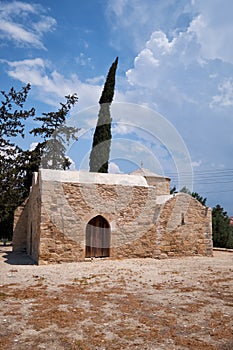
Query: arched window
[{"x": 98, "y": 236}]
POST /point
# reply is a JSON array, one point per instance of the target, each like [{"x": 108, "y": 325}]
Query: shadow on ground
[{"x": 15, "y": 258}]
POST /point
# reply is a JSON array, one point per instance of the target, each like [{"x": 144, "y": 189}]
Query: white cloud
[
  {"x": 213, "y": 28},
  {"x": 24, "y": 24},
  {"x": 26, "y": 63},
  {"x": 210, "y": 21},
  {"x": 96, "y": 80},
  {"x": 160, "y": 41},
  {"x": 145, "y": 63},
  {"x": 17, "y": 33},
  {"x": 46, "y": 24},
  {"x": 33, "y": 146},
  {"x": 225, "y": 98},
  {"x": 83, "y": 60},
  {"x": 17, "y": 8},
  {"x": 162, "y": 63},
  {"x": 186, "y": 76},
  {"x": 138, "y": 19},
  {"x": 114, "y": 168},
  {"x": 50, "y": 85},
  {"x": 179, "y": 70},
  {"x": 196, "y": 163}
]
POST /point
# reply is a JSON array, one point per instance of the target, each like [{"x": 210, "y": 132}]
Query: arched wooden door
[{"x": 98, "y": 238}]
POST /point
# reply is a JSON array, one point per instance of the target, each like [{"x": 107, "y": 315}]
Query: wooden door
[{"x": 97, "y": 238}]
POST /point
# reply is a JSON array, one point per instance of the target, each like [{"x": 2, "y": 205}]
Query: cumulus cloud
[
  {"x": 114, "y": 168},
  {"x": 213, "y": 28},
  {"x": 186, "y": 75},
  {"x": 138, "y": 19},
  {"x": 24, "y": 24},
  {"x": 145, "y": 65},
  {"x": 163, "y": 69},
  {"x": 210, "y": 21}
]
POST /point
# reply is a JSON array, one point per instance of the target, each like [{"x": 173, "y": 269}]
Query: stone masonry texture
[{"x": 144, "y": 221}]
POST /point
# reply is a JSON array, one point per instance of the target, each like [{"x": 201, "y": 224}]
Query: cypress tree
[{"x": 99, "y": 157}]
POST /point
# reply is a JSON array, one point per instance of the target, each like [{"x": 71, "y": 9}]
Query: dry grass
[{"x": 121, "y": 308}]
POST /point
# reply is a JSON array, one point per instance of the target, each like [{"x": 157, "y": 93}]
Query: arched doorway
[{"x": 98, "y": 238}]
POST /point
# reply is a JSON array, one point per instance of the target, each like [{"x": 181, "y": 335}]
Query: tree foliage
[
  {"x": 99, "y": 157},
  {"x": 56, "y": 135},
  {"x": 12, "y": 115},
  {"x": 185, "y": 190},
  {"x": 222, "y": 230},
  {"x": 12, "y": 157},
  {"x": 173, "y": 190},
  {"x": 17, "y": 165},
  {"x": 201, "y": 199}
]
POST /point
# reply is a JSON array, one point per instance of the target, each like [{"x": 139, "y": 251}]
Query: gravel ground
[{"x": 179, "y": 303}]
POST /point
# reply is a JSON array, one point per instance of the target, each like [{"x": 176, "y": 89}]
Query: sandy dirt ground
[{"x": 184, "y": 303}]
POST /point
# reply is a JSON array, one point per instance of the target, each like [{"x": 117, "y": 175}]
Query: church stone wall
[
  {"x": 27, "y": 218},
  {"x": 162, "y": 185},
  {"x": 141, "y": 226},
  {"x": 19, "y": 240},
  {"x": 34, "y": 221},
  {"x": 185, "y": 227}
]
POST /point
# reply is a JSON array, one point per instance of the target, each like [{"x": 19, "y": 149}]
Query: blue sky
[{"x": 173, "y": 105}]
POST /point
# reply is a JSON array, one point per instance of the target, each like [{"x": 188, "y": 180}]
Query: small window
[{"x": 182, "y": 219}]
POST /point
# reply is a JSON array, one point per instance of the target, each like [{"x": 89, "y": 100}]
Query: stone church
[{"x": 70, "y": 216}]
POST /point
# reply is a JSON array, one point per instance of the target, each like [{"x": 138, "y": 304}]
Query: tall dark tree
[
  {"x": 51, "y": 153},
  {"x": 99, "y": 157},
  {"x": 12, "y": 157},
  {"x": 221, "y": 227}
]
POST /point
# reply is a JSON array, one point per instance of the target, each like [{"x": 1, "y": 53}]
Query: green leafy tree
[
  {"x": 221, "y": 227},
  {"x": 12, "y": 157},
  {"x": 51, "y": 153},
  {"x": 99, "y": 157}
]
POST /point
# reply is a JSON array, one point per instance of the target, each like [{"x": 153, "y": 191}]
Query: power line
[
  {"x": 203, "y": 171},
  {"x": 206, "y": 182},
  {"x": 218, "y": 191},
  {"x": 207, "y": 177}
]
